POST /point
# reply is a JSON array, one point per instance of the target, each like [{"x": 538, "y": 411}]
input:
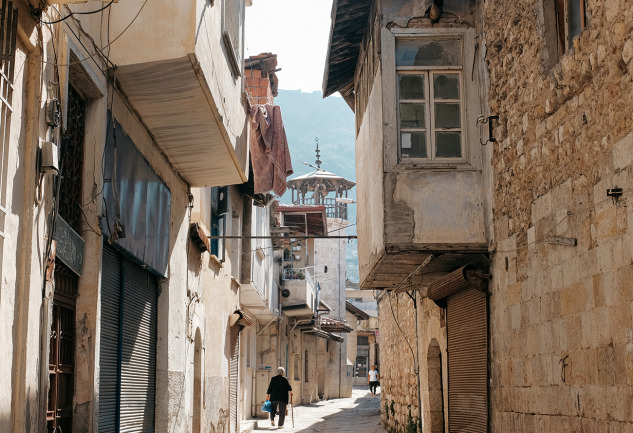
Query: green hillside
[{"x": 308, "y": 115}]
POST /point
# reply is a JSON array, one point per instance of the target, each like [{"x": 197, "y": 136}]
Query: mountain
[{"x": 307, "y": 116}]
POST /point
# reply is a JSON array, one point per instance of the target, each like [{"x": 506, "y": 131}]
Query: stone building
[
  {"x": 322, "y": 188},
  {"x": 125, "y": 147},
  {"x": 560, "y": 316},
  {"x": 362, "y": 345},
  {"x": 416, "y": 85},
  {"x": 493, "y": 152}
]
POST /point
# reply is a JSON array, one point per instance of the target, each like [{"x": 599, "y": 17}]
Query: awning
[
  {"x": 240, "y": 318},
  {"x": 323, "y": 334},
  {"x": 331, "y": 325},
  {"x": 324, "y": 307},
  {"x": 456, "y": 281},
  {"x": 360, "y": 314}
]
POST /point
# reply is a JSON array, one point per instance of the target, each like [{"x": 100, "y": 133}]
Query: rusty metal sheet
[
  {"x": 467, "y": 347},
  {"x": 144, "y": 202}
]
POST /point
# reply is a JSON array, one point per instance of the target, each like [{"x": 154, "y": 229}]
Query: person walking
[
  {"x": 372, "y": 379},
  {"x": 277, "y": 393}
]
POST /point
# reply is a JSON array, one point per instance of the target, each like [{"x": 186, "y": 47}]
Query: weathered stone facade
[
  {"x": 560, "y": 316},
  {"x": 399, "y": 343}
]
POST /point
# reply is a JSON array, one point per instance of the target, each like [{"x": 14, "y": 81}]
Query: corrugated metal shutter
[
  {"x": 233, "y": 376},
  {"x": 138, "y": 350},
  {"x": 109, "y": 342},
  {"x": 127, "y": 379},
  {"x": 467, "y": 331}
]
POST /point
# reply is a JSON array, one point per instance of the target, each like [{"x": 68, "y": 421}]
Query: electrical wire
[
  {"x": 99, "y": 51},
  {"x": 78, "y": 13},
  {"x": 399, "y": 328}
]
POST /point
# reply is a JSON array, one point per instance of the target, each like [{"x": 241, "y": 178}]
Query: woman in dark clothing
[{"x": 278, "y": 395}]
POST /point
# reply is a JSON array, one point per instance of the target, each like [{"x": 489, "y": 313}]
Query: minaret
[{"x": 322, "y": 188}]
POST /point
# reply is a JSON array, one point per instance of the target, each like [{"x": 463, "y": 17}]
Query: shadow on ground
[{"x": 361, "y": 415}]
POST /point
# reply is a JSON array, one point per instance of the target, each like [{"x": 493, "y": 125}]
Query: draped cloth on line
[{"x": 269, "y": 150}]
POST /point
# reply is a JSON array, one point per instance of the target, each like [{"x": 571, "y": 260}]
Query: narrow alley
[
  {"x": 355, "y": 414},
  {"x": 443, "y": 207}
]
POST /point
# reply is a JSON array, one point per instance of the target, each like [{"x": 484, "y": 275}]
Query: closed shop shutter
[
  {"x": 467, "y": 331},
  {"x": 138, "y": 350},
  {"x": 233, "y": 376},
  {"x": 128, "y": 346},
  {"x": 109, "y": 342}
]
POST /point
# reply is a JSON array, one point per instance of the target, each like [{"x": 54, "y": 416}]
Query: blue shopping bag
[{"x": 266, "y": 406}]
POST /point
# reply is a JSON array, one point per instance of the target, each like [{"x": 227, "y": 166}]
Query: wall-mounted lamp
[{"x": 488, "y": 120}]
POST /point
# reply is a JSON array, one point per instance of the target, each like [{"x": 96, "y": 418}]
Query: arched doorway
[
  {"x": 436, "y": 394},
  {"x": 197, "y": 383}
]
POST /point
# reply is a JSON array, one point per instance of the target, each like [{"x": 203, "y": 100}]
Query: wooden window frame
[
  {"x": 233, "y": 39},
  {"x": 429, "y": 100},
  {"x": 562, "y": 11}
]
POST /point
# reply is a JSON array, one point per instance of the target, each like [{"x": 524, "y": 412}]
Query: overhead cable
[{"x": 78, "y": 13}]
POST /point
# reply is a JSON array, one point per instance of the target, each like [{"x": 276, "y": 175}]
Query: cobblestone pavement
[{"x": 359, "y": 413}]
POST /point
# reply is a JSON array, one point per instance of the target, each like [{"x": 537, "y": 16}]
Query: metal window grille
[
  {"x": 8, "y": 33},
  {"x": 72, "y": 161}
]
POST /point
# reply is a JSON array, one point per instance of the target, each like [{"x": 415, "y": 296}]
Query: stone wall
[
  {"x": 398, "y": 342},
  {"x": 560, "y": 316}
]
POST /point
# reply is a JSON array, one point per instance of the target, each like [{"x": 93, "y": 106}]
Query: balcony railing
[
  {"x": 293, "y": 274},
  {"x": 333, "y": 209}
]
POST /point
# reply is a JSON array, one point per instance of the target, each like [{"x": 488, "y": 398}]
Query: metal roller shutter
[
  {"x": 467, "y": 331},
  {"x": 233, "y": 375},
  {"x": 138, "y": 350},
  {"x": 128, "y": 346},
  {"x": 109, "y": 342}
]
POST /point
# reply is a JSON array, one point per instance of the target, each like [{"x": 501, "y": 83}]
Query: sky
[{"x": 298, "y": 32}]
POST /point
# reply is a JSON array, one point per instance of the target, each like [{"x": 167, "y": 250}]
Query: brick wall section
[
  {"x": 258, "y": 87},
  {"x": 560, "y": 316}
]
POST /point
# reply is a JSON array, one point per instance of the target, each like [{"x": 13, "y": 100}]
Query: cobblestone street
[{"x": 356, "y": 414}]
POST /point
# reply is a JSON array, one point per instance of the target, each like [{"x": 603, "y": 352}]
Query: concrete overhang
[
  {"x": 255, "y": 302},
  {"x": 297, "y": 310},
  {"x": 184, "y": 88},
  {"x": 392, "y": 269}
]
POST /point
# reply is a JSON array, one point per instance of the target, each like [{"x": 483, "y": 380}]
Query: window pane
[
  {"x": 423, "y": 52},
  {"x": 412, "y": 116},
  {"x": 448, "y": 144},
  {"x": 411, "y": 86},
  {"x": 413, "y": 144},
  {"x": 446, "y": 86},
  {"x": 447, "y": 115},
  {"x": 575, "y": 19}
]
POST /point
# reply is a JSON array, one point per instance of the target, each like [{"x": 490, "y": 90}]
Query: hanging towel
[{"x": 269, "y": 150}]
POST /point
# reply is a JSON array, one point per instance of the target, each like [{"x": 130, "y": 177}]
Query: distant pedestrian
[
  {"x": 278, "y": 391},
  {"x": 372, "y": 379}
]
